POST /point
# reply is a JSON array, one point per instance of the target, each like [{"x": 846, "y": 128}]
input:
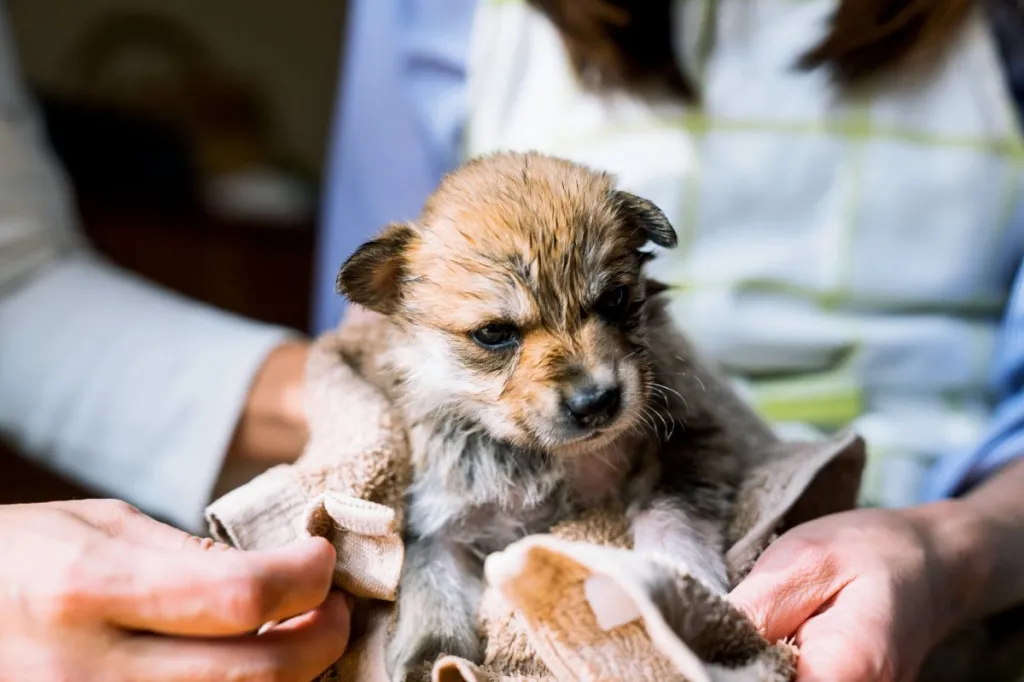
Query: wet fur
[{"x": 536, "y": 241}]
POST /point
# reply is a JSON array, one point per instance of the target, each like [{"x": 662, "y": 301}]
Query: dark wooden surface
[
  {"x": 262, "y": 271},
  {"x": 22, "y": 481}
]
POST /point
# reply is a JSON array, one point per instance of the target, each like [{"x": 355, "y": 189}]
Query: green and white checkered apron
[{"x": 845, "y": 258}]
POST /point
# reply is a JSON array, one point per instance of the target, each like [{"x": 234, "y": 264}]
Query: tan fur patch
[
  {"x": 531, "y": 241},
  {"x": 545, "y": 250},
  {"x": 522, "y": 237}
]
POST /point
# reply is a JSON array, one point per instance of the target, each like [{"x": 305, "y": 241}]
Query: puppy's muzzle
[{"x": 592, "y": 405}]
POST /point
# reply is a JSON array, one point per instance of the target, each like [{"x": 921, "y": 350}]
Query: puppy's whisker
[
  {"x": 661, "y": 396},
  {"x": 663, "y": 387},
  {"x": 655, "y": 415},
  {"x": 649, "y": 420},
  {"x": 641, "y": 425},
  {"x": 690, "y": 374},
  {"x": 672, "y": 428},
  {"x": 632, "y": 355},
  {"x": 664, "y": 421}
]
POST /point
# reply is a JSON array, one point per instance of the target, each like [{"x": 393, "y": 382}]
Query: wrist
[
  {"x": 959, "y": 556},
  {"x": 998, "y": 508},
  {"x": 275, "y": 400},
  {"x": 272, "y": 426}
]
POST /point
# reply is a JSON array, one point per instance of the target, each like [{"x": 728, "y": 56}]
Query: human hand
[
  {"x": 95, "y": 591},
  {"x": 865, "y": 594}
]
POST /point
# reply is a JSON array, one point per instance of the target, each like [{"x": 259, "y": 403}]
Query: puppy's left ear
[
  {"x": 653, "y": 287},
  {"x": 643, "y": 215},
  {"x": 372, "y": 276}
]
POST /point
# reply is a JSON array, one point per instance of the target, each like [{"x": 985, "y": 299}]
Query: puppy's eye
[
  {"x": 614, "y": 304},
  {"x": 496, "y": 336}
]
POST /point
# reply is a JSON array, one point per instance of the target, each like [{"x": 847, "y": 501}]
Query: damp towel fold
[{"x": 567, "y": 605}]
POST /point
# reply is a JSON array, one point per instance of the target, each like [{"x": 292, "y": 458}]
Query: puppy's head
[{"x": 522, "y": 294}]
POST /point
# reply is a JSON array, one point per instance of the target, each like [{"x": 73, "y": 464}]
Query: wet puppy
[{"x": 534, "y": 365}]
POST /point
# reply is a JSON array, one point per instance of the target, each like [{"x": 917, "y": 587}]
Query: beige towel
[{"x": 563, "y": 606}]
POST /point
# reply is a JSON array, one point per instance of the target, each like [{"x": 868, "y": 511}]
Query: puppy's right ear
[
  {"x": 642, "y": 215},
  {"x": 372, "y": 276}
]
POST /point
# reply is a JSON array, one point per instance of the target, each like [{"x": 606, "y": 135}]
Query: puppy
[{"x": 535, "y": 366}]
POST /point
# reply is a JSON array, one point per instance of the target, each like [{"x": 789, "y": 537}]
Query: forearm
[
  {"x": 976, "y": 544},
  {"x": 998, "y": 506}
]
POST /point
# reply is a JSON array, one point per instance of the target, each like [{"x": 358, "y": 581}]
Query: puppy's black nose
[{"x": 593, "y": 405}]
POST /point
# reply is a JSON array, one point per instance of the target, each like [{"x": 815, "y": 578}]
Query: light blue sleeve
[
  {"x": 397, "y": 127},
  {"x": 1005, "y": 438},
  {"x": 126, "y": 387}
]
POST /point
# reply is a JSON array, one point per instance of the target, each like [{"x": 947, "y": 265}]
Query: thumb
[
  {"x": 784, "y": 590},
  {"x": 848, "y": 642}
]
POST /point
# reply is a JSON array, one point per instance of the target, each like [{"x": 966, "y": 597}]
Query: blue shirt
[
  {"x": 1005, "y": 439},
  {"x": 398, "y": 126},
  {"x": 399, "y": 117}
]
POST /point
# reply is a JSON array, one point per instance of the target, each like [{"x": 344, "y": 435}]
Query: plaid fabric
[{"x": 845, "y": 257}]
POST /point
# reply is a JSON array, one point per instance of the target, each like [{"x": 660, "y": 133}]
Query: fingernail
[
  {"x": 266, "y": 627},
  {"x": 310, "y": 544}
]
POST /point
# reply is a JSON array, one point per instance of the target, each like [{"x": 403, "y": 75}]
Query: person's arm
[
  {"x": 1004, "y": 441},
  {"x": 116, "y": 383},
  {"x": 990, "y": 479},
  {"x": 866, "y": 594},
  {"x": 398, "y": 126},
  {"x": 998, "y": 576}
]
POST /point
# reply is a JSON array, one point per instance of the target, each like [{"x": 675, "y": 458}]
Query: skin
[
  {"x": 272, "y": 428},
  {"x": 95, "y": 590},
  {"x": 866, "y": 594},
  {"x": 100, "y": 592}
]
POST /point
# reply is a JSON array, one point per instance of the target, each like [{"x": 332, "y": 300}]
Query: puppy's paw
[
  {"x": 410, "y": 657},
  {"x": 707, "y": 568},
  {"x": 695, "y": 611},
  {"x": 661, "y": 583},
  {"x": 712, "y": 574}
]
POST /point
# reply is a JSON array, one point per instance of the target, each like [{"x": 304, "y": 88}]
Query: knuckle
[
  {"x": 805, "y": 565},
  {"x": 110, "y": 516},
  {"x": 804, "y": 544},
  {"x": 246, "y": 598},
  {"x": 813, "y": 554},
  {"x": 121, "y": 508}
]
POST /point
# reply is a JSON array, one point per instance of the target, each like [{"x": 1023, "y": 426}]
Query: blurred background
[
  {"x": 193, "y": 132},
  {"x": 192, "y": 127}
]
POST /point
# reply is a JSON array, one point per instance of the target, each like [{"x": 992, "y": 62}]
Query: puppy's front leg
[
  {"x": 438, "y": 597},
  {"x": 668, "y": 526}
]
